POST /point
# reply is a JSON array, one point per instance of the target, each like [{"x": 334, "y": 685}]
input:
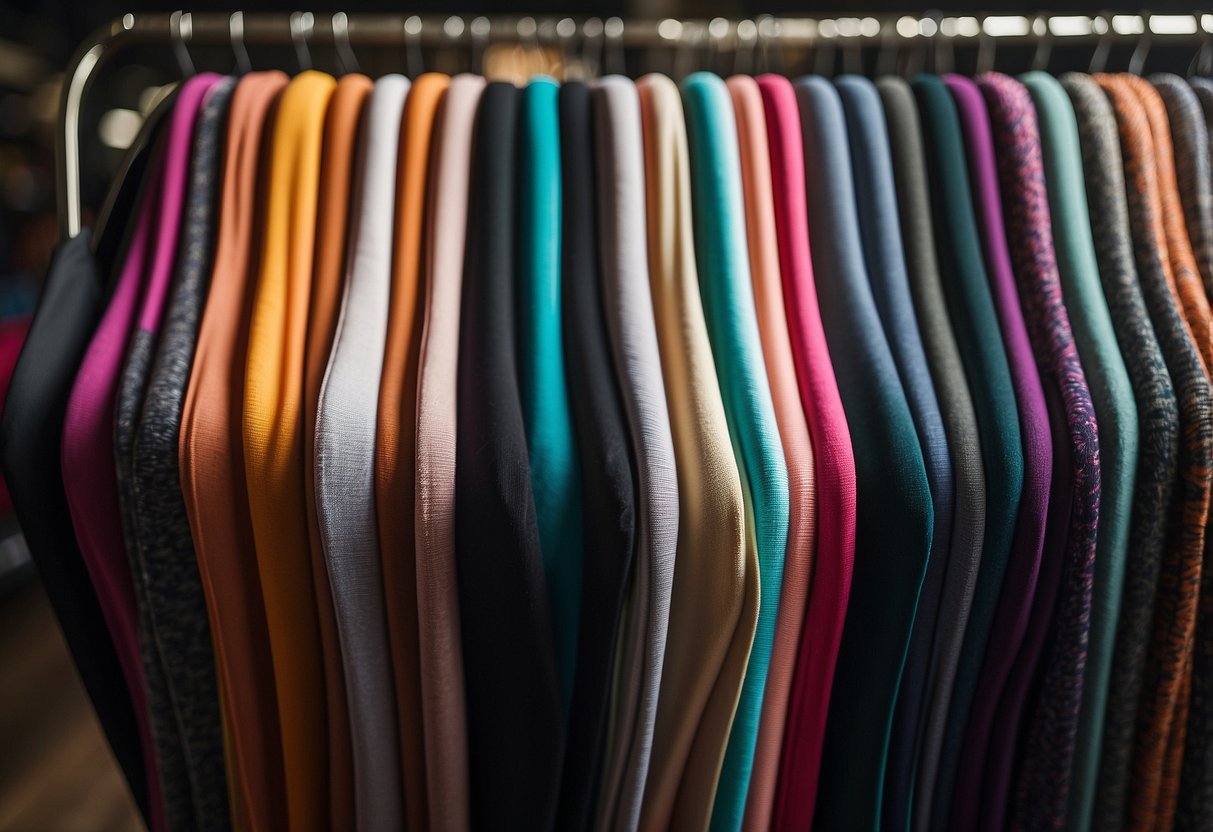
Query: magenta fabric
[
  {"x": 809, "y": 703},
  {"x": 12, "y": 336},
  {"x": 89, "y": 477},
  {"x": 1023, "y": 568}
]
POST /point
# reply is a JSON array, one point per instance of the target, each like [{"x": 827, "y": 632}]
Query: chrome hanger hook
[
  {"x": 1044, "y": 46},
  {"x": 987, "y": 52},
  {"x": 613, "y": 52},
  {"x": 182, "y": 25},
  {"x": 414, "y": 60},
  {"x": 1099, "y": 58},
  {"x": 302, "y": 24},
  {"x": 1202, "y": 62},
  {"x": 235, "y": 29},
  {"x": 1142, "y": 50},
  {"x": 341, "y": 42}
]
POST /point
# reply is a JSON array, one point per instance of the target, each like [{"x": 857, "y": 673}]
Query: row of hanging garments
[{"x": 727, "y": 454}]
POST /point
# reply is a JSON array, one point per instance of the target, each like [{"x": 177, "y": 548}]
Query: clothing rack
[{"x": 344, "y": 31}]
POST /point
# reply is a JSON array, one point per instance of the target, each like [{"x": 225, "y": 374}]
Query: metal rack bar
[{"x": 382, "y": 30}]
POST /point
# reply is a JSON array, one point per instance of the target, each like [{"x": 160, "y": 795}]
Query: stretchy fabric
[
  {"x": 542, "y": 381},
  {"x": 729, "y": 306},
  {"x": 272, "y": 433},
  {"x": 146, "y": 433},
  {"x": 986, "y": 725},
  {"x": 973, "y": 313},
  {"x": 396, "y": 435},
  {"x": 817, "y": 652},
  {"x": 439, "y": 632},
  {"x": 619, "y": 147},
  {"x": 890, "y": 553},
  {"x": 1115, "y": 411},
  {"x": 1048, "y": 757},
  {"x": 1197, "y": 311},
  {"x": 1193, "y": 166},
  {"x": 94, "y": 467},
  {"x": 211, "y": 463},
  {"x": 344, "y": 465},
  {"x": 609, "y": 493},
  {"x": 1136, "y": 796},
  {"x": 794, "y": 435},
  {"x": 959, "y": 417},
  {"x": 884, "y": 255},
  {"x": 515, "y": 718},
  {"x": 341, "y": 128},
  {"x": 1159, "y": 425},
  {"x": 714, "y": 605}
]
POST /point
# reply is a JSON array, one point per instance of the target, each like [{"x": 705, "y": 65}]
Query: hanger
[
  {"x": 235, "y": 30},
  {"x": 1142, "y": 50},
  {"x": 987, "y": 52},
  {"x": 1044, "y": 46},
  {"x": 301, "y": 33},
  {"x": 181, "y": 26},
  {"x": 1099, "y": 58},
  {"x": 346, "y": 58},
  {"x": 414, "y": 61}
]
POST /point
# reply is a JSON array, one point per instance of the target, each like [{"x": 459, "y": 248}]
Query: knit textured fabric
[
  {"x": 1115, "y": 411},
  {"x": 890, "y": 554},
  {"x": 1132, "y": 789},
  {"x": 154, "y": 385}
]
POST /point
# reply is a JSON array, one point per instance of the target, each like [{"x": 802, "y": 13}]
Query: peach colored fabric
[
  {"x": 794, "y": 433},
  {"x": 440, "y": 655}
]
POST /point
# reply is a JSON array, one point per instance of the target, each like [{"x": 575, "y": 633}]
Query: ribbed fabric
[
  {"x": 1044, "y": 782},
  {"x": 396, "y": 435},
  {"x": 793, "y": 426},
  {"x": 153, "y": 384},
  {"x": 880, "y": 232},
  {"x": 1005, "y": 676},
  {"x": 272, "y": 432},
  {"x": 542, "y": 382},
  {"x": 959, "y": 417},
  {"x": 890, "y": 554},
  {"x": 729, "y": 306},
  {"x": 1115, "y": 411},
  {"x": 714, "y": 605},
  {"x": 619, "y": 147},
  {"x": 439, "y": 632},
  {"x": 90, "y": 456},
  {"x": 1192, "y": 161},
  {"x": 345, "y": 454},
  {"x": 1197, "y": 311},
  {"x": 1159, "y": 426},
  {"x": 515, "y": 718},
  {"x": 974, "y": 316},
  {"x": 603, "y": 448},
  {"x": 211, "y": 461},
  {"x": 341, "y": 128},
  {"x": 1175, "y": 595},
  {"x": 817, "y": 653}
]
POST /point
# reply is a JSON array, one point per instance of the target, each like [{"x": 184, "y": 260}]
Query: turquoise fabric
[
  {"x": 551, "y": 442},
  {"x": 1115, "y": 410},
  {"x": 728, "y": 300}
]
